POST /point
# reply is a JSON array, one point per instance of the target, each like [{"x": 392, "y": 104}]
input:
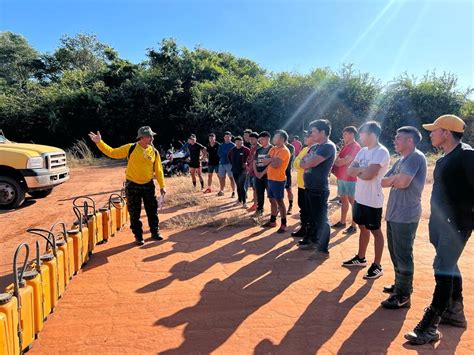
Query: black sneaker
[
  {"x": 156, "y": 236},
  {"x": 350, "y": 230},
  {"x": 233, "y": 194},
  {"x": 396, "y": 302},
  {"x": 307, "y": 245},
  {"x": 389, "y": 289},
  {"x": 300, "y": 233},
  {"x": 338, "y": 225},
  {"x": 374, "y": 272},
  {"x": 355, "y": 261},
  {"x": 139, "y": 241}
]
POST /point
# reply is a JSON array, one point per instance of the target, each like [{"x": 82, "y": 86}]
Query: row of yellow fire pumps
[{"x": 39, "y": 283}]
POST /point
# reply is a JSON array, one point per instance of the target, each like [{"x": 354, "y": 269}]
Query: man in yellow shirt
[
  {"x": 143, "y": 162},
  {"x": 301, "y": 232},
  {"x": 277, "y": 162}
]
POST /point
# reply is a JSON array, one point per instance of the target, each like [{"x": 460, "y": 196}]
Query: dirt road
[{"x": 224, "y": 290}]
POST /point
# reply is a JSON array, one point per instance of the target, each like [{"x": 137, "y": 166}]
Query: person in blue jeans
[
  {"x": 450, "y": 227},
  {"x": 318, "y": 164},
  {"x": 225, "y": 167},
  {"x": 406, "y": 180}
]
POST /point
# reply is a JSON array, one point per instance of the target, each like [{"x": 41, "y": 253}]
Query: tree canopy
[{"x": 57, "y": 98}]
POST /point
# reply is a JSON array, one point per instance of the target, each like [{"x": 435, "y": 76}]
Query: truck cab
[{"x": 29, "y": 168}]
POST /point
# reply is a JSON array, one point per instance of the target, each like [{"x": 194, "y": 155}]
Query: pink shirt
[
  {"x": 341, "y": 171},
  {"x": 298, "y": 146}
]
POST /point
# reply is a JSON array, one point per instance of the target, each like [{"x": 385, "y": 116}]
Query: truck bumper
[{"x": 41, "y": 179}]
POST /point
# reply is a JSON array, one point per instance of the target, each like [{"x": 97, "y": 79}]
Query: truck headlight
[{"x": 35, "y": 163}]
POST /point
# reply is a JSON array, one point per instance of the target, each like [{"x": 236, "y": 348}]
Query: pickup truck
[{"x": 29, "y": 168}]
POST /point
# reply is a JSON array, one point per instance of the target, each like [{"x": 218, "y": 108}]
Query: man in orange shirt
[{"x": 277, "y": 162}]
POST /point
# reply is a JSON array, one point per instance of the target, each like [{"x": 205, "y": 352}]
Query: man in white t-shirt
[{"x": 369, "y": 166}]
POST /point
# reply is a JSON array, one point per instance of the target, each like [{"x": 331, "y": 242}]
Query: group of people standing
[{"x": 362, "y": 173}]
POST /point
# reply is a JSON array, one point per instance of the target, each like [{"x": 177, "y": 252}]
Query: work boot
[
  {"x": 427, "y": 330},
  {"x": 454, "y": 315}
]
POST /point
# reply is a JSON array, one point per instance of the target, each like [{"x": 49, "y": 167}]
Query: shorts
[
  {"x": 288, "y": 179},
  {"x": 212, "y": 169},
  {"x": 346, "y": 188},
  {"x": 250, "y": 182},
  {"x": 370, "y": 217},
  {"x": 194, "y": 164},
  {"x": 276, "y": 189},
  {"x": 225, "y": 169}
]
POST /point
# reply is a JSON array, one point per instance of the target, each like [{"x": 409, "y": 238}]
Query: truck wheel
[
  {"x": 12, "y": 193},
  {"x": 40, "y": 193}
]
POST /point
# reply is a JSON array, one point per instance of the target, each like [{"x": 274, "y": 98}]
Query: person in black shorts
[
  {"x": 289, "y": 182},
  {"x": 369, "y": 167},
  {"x": 195, "y": 150},
  {"x": 212, "y": 160}
]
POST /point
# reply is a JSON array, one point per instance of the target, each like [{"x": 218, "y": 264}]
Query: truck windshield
[{"x": 3, "y": 139}]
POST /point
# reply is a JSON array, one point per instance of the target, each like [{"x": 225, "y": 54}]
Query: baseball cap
[
  {"x": 448, "y": 122},
  {"x": 145, "y": 131},
  {"x": 227, "y": 133}
]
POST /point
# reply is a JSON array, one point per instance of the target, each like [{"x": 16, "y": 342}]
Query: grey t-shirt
[
  {"x": 404, "y": 205},
  {"x": 317, "y": 178}
]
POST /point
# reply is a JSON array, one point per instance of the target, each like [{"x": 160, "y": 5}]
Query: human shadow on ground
[
  {"x": 376, "y": 332},
  {"x": 319, "y": 322},
  {"x": 225, "y": 304},
  {"x": 232, "y": 252}
]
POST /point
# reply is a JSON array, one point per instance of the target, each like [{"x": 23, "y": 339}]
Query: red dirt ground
[{"x": 227, "y": 291}]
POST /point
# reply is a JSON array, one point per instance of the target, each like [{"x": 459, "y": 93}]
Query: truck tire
[
  {"x": 40, "y": 193},
  {"x": 12, "y": 194}
]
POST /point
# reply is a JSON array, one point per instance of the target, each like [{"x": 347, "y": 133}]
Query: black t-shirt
[
  {"x": 317, "y": 178},
  {"x": 452, "y": 197},
  {"x": 195, "y": 152},
  {"x": 261, "y": 154},
  {"x": 291, "y": 148},
  {"x": 212, "y": 153}
]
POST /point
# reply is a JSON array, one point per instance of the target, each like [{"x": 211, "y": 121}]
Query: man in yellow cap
[
  {"x": 143, "y": 162},
  {"x": 450, "y": 226}
]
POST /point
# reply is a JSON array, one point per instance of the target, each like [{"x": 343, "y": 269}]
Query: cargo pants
[{"x": 136, "y": 193}]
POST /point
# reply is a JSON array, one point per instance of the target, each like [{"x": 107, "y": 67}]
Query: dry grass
[
  {"x": 210, "y": 218},
  {"x": 80, "y": 154},
  {"x": 205, "y": 209}
]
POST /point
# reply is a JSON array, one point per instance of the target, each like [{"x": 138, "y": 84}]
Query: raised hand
[{"x": 96, "y": 138}]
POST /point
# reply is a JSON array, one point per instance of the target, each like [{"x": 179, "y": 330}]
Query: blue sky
[{"x": 384, "y": 38}]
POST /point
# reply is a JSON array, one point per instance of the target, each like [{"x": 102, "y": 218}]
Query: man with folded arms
[{"x": 406, "y": 179}]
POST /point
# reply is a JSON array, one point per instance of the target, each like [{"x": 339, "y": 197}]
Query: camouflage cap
[{"x": 145, "y": 131}]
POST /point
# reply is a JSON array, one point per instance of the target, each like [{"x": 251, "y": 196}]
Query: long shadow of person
[
  {"x": 376, "y": 332},
  {"x": 229, "y": 253},
  {"x": 319, "y": 322},
  {"x": 225, "y": 304},
  {"x": 191, "y": 240}
]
